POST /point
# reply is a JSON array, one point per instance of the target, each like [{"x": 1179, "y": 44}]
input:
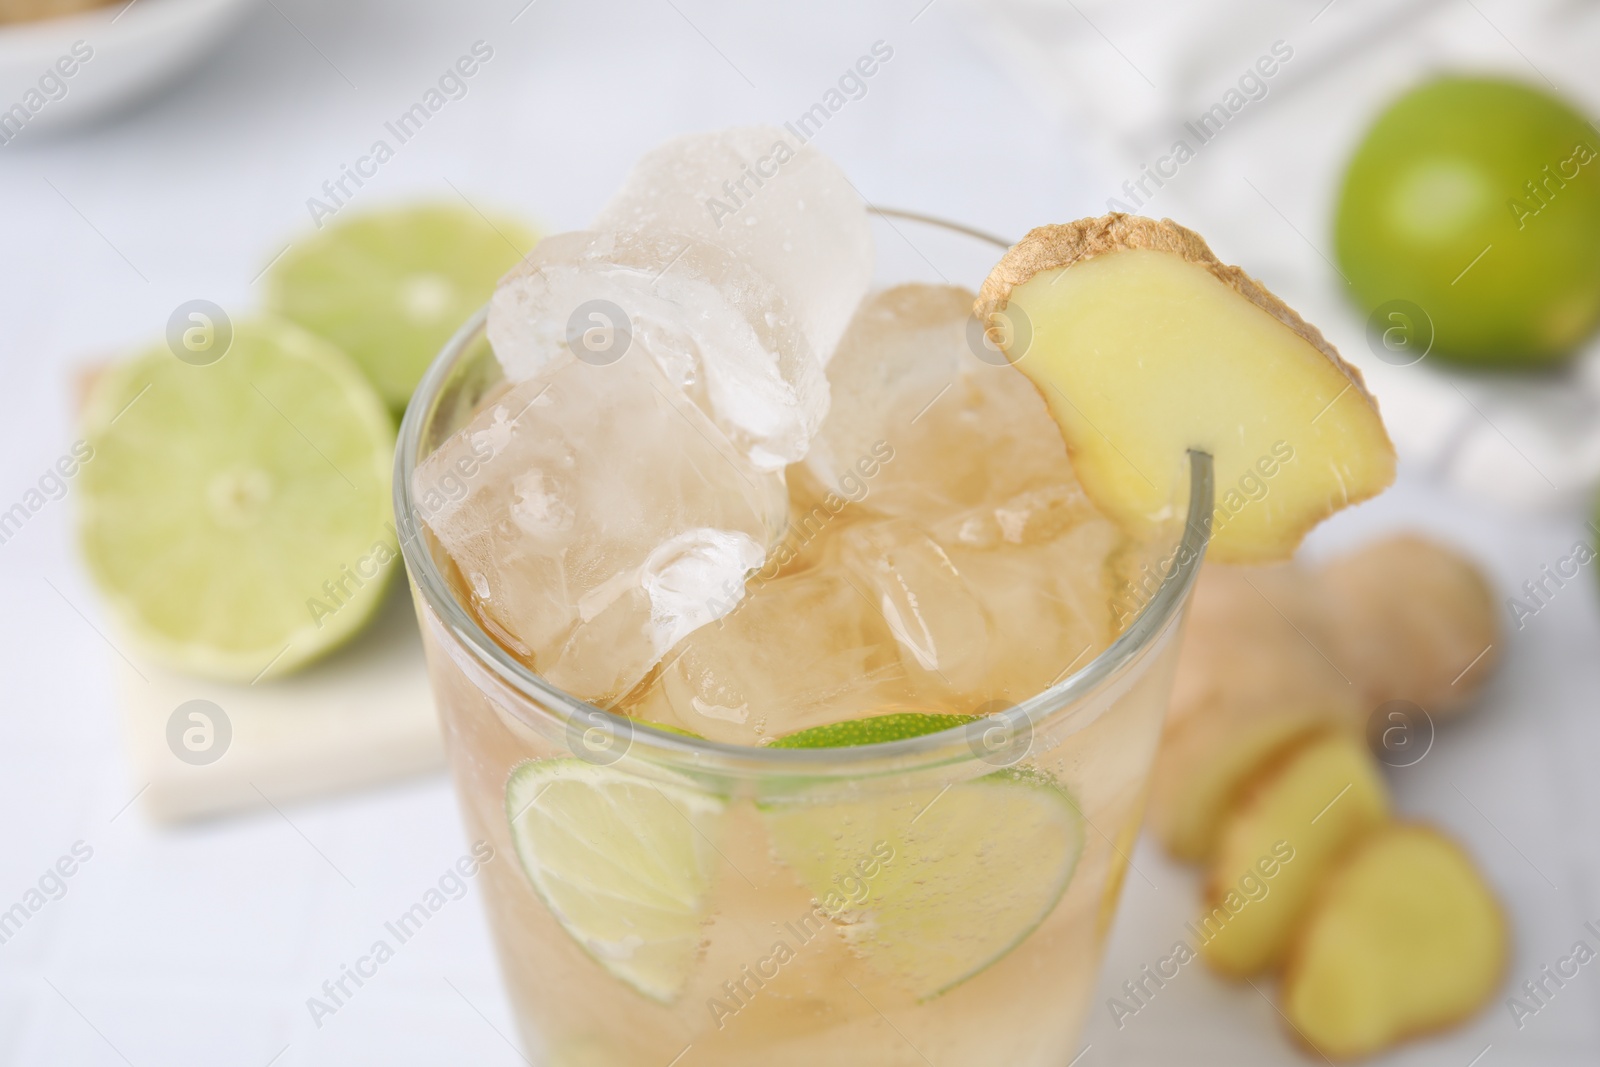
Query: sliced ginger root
[
  {"x": 1409, "y": 619},
  {"x": 1220, "y": 758},
  {"x": 1404, "y": 938},
  {"x": 1321, "y": 796},
  {"x": 1272, "y": 653},
  {"x": 1145, "y": 346},
  {"x": 1248, "y": 685}
]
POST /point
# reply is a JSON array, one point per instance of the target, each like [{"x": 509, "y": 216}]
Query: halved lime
[
  {"x": 236, "y": 515},
  {"x": 625, "y": 864},
  {"x": 931, "y": 886},
  {"x": 391, "y": 287}
]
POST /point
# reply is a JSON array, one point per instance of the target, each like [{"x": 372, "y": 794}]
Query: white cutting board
[{"x": 363, "y": 715}]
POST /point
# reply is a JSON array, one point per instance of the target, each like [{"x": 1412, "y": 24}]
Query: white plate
[{"x": 131, "y": 50}]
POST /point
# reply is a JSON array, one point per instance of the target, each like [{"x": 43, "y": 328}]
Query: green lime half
[
  {"x": 930, "y": 886},
  {"x": 236, "y": 515},
  {"x": 623, "y": 863},
  {"x": 391, "y": 287}
]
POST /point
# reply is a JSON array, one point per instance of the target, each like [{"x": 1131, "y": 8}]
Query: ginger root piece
[
  {"x": 1403, "y": 938},
  {"x": 36, "y": 10},
  {"x": 1411, "y": 620},
  {"x": 1271, "y": 653},
  {"x": 1144, "y": 346},
  {"x": 1280, "y": 840},
  {"x": 1220, "y": 756},
  {"x": 1248, "y": 684}
]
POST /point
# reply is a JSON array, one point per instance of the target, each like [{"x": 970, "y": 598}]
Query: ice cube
[
  {"x": 882, "y": 616},
  {"x": 998, "y": 622},
  {"x": 596, "y": 516},
  {"x": 938, "y": 622},
  {"x": 718, "y": 331},
  {"x": 775, "y": 202},
  {"x": 919, "y": 426},
  {"x": 1050, "y": 602},
  {"x": 1030, "y": 517},
  {"x": 801, "y": 650}
]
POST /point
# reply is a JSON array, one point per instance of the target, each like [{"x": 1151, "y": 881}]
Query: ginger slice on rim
[{"x": 1146, "y": 346}]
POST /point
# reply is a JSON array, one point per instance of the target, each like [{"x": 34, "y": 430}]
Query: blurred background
[{"x": 191, "y": 148}]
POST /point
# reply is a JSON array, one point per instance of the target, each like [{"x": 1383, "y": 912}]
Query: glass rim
[{"x": 1023, "y": 718}]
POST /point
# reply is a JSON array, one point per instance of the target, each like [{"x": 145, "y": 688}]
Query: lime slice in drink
[
  {"x": 873, "y": 730},
  {"x": 236, "y": 515},
  {"x": 391, "y": 287},
  {"x": 931, "y": 886},
  {"x": 623, "y": 863}
]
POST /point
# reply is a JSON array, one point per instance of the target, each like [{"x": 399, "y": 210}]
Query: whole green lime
[{"x": 1477, "y": 201}]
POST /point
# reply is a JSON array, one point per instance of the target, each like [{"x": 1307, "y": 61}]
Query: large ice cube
[
  {"x": 718, "y": 331},
  {"x": 1050, "y": 602},
  {"x": 802, "y": 650},
  {"x": 937, "y": 528},
  {"x": 998, "y": 622},
  {"x": 775, "y": 202},
  {"x": 938, "y": 622},
  {"x": 596, "y": 517},
  {"x": 962, "y": 432},
  {"x": 880, "y": 615}
]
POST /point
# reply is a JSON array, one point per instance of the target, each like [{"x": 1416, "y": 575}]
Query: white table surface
[{"x": 201, "y": 945}]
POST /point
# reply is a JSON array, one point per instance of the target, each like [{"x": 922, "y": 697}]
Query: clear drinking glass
[{"x": 941, "y": 900}]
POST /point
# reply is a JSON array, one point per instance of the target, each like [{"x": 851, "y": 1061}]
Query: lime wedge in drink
[
  {"x": 624, "y": 864},
  {"x": 931, "y": 886},
  {"x": 236, "y": 515},
  {"x": 873, "y": 730},
  {"x": 391, "y": 287}
]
